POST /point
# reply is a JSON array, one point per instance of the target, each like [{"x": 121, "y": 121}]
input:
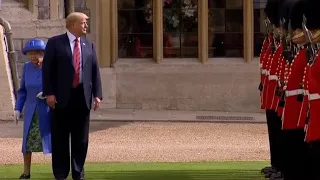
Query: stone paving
[{"x": 122, "y": 139}]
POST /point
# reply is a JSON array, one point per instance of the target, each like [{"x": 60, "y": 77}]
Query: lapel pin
[{"x": 83, "y": 44}]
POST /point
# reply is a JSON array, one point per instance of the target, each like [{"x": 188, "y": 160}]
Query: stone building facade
[{"x": 156, "y": 77}]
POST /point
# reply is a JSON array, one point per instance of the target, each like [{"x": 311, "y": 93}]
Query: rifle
[
  {"x": 267, "y": 23},
  {"x": 311, "y": 49},
  {"x": 286, "y": 43},
  {"x": 266, "y": 32},
  {"x": 285, "y": 54},
  {"x": 291, "y": 47}
]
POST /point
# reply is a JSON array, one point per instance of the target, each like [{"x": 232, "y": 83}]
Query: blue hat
[{"x": 34, "y": 45}]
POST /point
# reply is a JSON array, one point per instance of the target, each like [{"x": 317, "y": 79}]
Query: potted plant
[{"x": 178, "y": 15}]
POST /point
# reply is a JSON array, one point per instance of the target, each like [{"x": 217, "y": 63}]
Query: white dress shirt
[{"x": 72, "y": 39}]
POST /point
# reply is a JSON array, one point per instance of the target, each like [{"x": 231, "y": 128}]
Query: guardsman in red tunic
[
  {"x": 270, "y": 66},
  {"x": 264, "y": 60},
  {"x": 264, "y": 57},
  {"x": 313, "y": 78},
  {"x": 282, "y": 65},
  {"x": 313, "y": 124},
  {"x": 294, "y": 147},
  {"x": 303, "y": 115},
  {"x": 272, "y": 98}
]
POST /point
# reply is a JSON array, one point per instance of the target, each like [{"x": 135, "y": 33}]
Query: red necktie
[{"x": 76, "y": 62}]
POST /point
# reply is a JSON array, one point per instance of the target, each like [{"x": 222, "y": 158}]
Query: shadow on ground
[
  {"x": 164, "y": 175},
  {"x": 12, "y": 130}
]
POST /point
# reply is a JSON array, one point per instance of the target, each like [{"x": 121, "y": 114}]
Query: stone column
[
  {"x": 203, "y": 30},
  {"x": 157, "y": 12},
  {"x": 248, "y": 31},
  {"x": 104, "y": 39},
  {"x": 54, "y": 9},
  {"x": 114, "y": 31}
]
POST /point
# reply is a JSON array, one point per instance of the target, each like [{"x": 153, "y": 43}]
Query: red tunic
[
  {"x": 271, "y": 101},
  {"x": 263, "y": 57},
  {"x": 313, "y": 128},
  {"x": 266, "y": 60},
  {"x": 292, "y": 107},
  {"x": 305, "y": 102},
  {"x": 281, "y": 72}
]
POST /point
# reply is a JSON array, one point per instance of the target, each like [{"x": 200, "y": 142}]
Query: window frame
[{"x": 109, "y": 37}]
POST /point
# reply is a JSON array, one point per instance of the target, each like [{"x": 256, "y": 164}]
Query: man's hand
[
  {"x": 16, "y": 116},
  {"x": 51, "y": 101},
  {"x": 96, "y": 103}
]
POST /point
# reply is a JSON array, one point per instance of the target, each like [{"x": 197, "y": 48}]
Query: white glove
[
  {"x": 16, "y": 116},
  {"x": 39, "y": 95}
]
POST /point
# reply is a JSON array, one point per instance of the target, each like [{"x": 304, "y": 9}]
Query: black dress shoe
[
  {"x": 281, "y": 178},
  {"x": 276, "y": 176},
  {"x": 269, "y": 170},
  {"x": 24, "y": 176},
  {"x": 265, "y": 170}
]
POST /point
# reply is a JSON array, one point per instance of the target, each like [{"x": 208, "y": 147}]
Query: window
[
  {"x": 259, "y": 26},
  {"x": 43, "y": 9},
  {"x": 180, "y": 28},
  {"x": 67, "y": 7},
  {"x": 135, "y": 28},
  {"x": 178, "y": 32},
  {"x": 225, "y": 36}
]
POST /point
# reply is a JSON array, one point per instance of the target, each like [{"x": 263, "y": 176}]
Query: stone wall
[
  {"x": 229, "y": 85},
  {"x": 175, "y": 84},
  {"x": 25, "y": 25},
  {"x": 36, "y": 21}
]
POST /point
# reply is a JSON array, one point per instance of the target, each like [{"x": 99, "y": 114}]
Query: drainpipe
[{"x": 11, "y": 54}]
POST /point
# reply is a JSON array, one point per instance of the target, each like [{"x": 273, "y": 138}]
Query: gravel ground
[{"x": 155, "y": 142}]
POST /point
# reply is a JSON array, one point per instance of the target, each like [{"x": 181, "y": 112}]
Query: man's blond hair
[{"x": 74, "y": 17}]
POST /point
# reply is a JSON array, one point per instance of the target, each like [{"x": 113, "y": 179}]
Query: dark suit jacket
[{"x": 58, "y": 70}]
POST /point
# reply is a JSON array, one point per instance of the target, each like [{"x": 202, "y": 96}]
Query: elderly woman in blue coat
[{"x": 36, "y": 127}]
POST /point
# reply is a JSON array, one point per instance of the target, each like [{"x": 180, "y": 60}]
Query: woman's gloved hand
[
  {"x": 16, "y": 116},
  {"x": 39, "y": 95}
]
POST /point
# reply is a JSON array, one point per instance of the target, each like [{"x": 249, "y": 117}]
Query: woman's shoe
[{"x": 24, "y": 176}]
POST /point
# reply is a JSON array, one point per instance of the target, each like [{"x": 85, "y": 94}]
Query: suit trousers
[
  {"x": 70, "y": 123},
  {"x": 295, "y": 154},
  {"x": 274, "y": 124}
]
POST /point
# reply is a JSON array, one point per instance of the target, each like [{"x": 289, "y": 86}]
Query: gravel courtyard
[{"x": 156, "y": 142}]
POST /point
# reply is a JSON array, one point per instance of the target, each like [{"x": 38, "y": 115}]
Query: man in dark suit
[{"x": 71, "y": 78}]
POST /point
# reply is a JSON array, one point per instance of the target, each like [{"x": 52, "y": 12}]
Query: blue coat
[{"x": 30, "y": 86}]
